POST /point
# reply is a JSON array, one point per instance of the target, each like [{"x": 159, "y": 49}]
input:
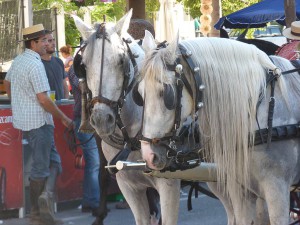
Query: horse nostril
[
  {"x": 110, "y": 119},
  {"x": 155, "y": 158}
]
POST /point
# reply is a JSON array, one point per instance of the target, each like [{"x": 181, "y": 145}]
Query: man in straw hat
[
  {"x": 27, "y": 85},
  {"x": 293, "y": 32}
]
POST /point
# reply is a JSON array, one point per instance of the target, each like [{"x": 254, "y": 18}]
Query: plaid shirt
[
  {"x": 74, "y": 81},
  {"x": 28, "y": 77}
]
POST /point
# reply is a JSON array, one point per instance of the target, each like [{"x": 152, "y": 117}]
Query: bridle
[
  {"x": 127, "y": 85},
  {"x": 173, "y": 137},
  {"x": 116, "y": 106},
  {"x": 170, "y": 140}
]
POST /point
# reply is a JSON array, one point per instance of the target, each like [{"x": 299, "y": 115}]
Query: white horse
[
  {"x": 103, "y": 117},
  {"x": 106, "y": 59},
  {"x": 227, "y": 87}
]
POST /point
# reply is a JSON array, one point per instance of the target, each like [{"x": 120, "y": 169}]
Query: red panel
[
  {"x": 11, "y": 160},
  {"x": 69, "y": 183}
]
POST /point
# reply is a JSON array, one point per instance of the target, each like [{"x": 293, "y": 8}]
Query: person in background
[
  {"x": 66, "y": 52},
  {"x": 55, "y": 70},
  {"x": 293, "y": 32},
  {"x": 27, "y": 85},
  {"x": 91, "y": 187}
]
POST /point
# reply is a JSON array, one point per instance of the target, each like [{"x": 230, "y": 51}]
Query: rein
[
  {"x": 70, "y": 138},
  {"x": 116, "y": 106}
]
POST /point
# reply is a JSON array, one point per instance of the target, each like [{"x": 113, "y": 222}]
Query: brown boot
[
  {"x": 46, "y": 200},
  {"x": 36, "y": 188}
]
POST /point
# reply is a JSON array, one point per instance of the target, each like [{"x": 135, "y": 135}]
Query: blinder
[
  {"x": 79, "y": 67},
  {"x": 169, "y": 95},
  {"x": 137, "y": 98}
]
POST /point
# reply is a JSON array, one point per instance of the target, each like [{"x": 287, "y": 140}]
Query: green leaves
[{"x": 228, "y": 6}]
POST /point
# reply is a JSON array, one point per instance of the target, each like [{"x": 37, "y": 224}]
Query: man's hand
[
  {"x": 52, "y": 108},
  {"x": 69, "y": 124}
]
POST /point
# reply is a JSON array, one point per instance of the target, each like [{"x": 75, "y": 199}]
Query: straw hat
[
  {"x": 293, "y": 32},
  {"x": 33, "y": 32}
]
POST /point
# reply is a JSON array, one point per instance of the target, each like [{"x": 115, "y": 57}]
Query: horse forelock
[
  {"x": 94, "y": 44},
  {"x": 154, "y": 70}
]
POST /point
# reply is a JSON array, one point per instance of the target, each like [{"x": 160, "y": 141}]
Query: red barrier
[
  {"x": 11, "y": 161},
  {"x": 69, "y": 183}
]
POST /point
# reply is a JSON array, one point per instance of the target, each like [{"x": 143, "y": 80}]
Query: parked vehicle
[{"x": 272, "y": 33}]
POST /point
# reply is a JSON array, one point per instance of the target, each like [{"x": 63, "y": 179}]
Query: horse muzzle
[
  {"x": 103, "y": 119},
  {"x": 154, "y": 155}
]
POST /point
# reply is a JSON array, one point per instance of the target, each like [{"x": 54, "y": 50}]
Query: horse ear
[
  {"x": 173, "y": 46},
  {"x": 84, "y": 29},
  {"x": 148, "y": 42},
  {"x": 123, "y": 24}
]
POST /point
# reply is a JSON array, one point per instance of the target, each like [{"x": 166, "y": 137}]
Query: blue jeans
[
  {"x": 91, "y": 189},
  {"x": 44, "y": 153}
]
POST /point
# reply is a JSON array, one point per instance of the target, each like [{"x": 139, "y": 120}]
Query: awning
[{"x": 257, "y": 15}]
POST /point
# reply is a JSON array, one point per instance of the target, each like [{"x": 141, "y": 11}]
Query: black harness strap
[
  {"x": 186, "y": 54},
  {"x": 277, "y": 133},
  {"x": 197, "y": 187}
]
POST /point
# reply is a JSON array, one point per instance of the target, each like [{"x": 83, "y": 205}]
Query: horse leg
[
  {"x": 136, "y": 199},
  {"x": 154, "y": 206},
  {"x": 169, "y": 192},
  {"x": 104, "y": 179},
  {"x": 244, "y": 209},
  {"x": 277, "y": 197},
  {"x": 213, "y": 186}
]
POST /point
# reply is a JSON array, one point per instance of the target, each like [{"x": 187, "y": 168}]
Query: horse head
[
  {"x": 109, "y": 69},
  {"x": 157, "y": 91}
]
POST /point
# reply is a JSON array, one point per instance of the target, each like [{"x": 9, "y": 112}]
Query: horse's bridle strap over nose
[{"x": 101, "y": 99}]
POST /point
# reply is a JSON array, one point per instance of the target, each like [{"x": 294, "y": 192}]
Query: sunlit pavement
[{"x": 206, "y": 211}]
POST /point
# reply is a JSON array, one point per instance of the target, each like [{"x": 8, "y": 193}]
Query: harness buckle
[
  {"x": 169, "y": 156},
  {"x": 277, "y": 72},
  {"x": 177, "y": 157},
  {"x": 179, "y": 68},
  {"x": 172, "y": 145}
]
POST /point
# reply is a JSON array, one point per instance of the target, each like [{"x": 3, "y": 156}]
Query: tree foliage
[
  {"x": 228, "y": 6},
  {"x": 112, "y": 12},
  {"x": 152, "y": 6}
]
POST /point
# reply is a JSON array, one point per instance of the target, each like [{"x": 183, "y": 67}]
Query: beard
[{"x": 50, "y": 50}]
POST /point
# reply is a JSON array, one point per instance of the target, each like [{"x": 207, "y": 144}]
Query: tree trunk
[
  {"x": 290, "y": 12},
  {"x": 138, "y": 7},
  {"x": 216, "y": 15}
]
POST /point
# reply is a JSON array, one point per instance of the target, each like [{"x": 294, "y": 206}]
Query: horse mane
[{"x": 234, "y": 75}]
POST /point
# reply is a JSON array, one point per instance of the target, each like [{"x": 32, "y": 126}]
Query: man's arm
[
  {"x": 7, "y": 88},
  {"x": 66, "y": 88},
  {"x": 50, "y": 107}
]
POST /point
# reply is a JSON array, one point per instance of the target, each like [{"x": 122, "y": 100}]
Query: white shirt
[{"x": 28, "y": 77}]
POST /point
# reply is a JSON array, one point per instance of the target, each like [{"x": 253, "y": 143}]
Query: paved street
[{"x": 206, "y": 211}]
